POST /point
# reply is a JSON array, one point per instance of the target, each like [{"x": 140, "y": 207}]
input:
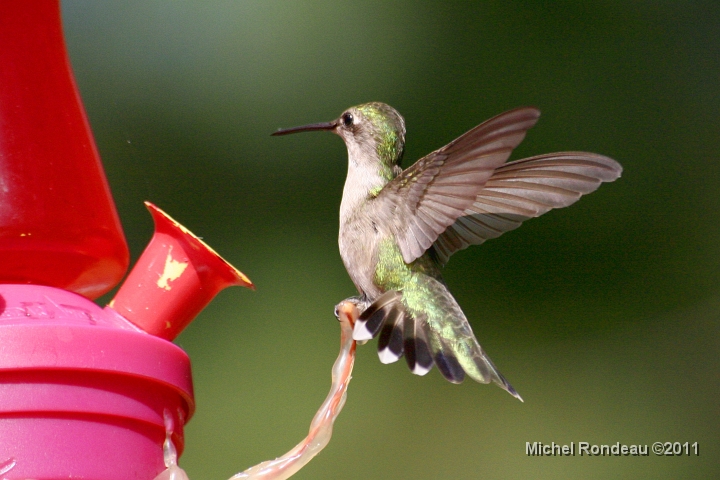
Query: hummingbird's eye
[{"x": 347, "y": 119}]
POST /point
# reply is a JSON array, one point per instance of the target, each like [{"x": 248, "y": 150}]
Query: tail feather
[
  {"x": 440, "y": 335},
  {"x": 390, "y": 343},
  {"x": 480, "y": 368},
  {"x": 457, "y": 340},
  {"x": 417, "y": 351},
  {"x": 445, "y": 359},
  {"x": 373, "y": 317}
]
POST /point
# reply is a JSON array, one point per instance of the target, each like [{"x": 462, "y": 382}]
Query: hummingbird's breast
[
  {"x": 363, "y": 224},
  {"x": 359, "y": 240}
]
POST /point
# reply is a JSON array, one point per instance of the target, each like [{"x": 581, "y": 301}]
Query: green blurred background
[{"x": 605, "y": 316}]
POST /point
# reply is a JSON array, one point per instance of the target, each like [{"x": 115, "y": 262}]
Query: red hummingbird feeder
[{"x": 85, "y": 392}]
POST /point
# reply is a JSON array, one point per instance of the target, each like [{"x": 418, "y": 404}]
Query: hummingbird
[{"x": 399, "y": 227}]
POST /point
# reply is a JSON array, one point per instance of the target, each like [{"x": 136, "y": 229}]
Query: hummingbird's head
[{"x": 373, "y": 132}]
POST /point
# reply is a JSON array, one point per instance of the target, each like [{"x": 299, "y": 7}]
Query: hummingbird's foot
[
  {"x": 360, "y": 304},
  {"x": 354, "y": 300}
]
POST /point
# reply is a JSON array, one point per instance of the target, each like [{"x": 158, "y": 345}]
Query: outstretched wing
[
  {"x": 525, "y": 189},
  {"x": 430, "y": 195}
]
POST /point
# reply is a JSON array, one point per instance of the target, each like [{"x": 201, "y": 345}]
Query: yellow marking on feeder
[{"x": 172, "y": 271}]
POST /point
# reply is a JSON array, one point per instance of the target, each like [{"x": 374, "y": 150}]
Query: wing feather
[
  {"x": 525, "y": 189},
  {"x": 443, "y": 185}
]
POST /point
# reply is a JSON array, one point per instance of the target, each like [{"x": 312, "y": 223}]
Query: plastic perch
[
  {"x": 172, "y": 469},
  {"x": 322, "y": 424}
]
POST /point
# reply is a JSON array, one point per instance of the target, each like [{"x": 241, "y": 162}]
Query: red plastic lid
[{"x": 47, "y": 329}]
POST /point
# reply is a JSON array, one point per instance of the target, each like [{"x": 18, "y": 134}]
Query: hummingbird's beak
[{"x": 307, "y": 128}]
